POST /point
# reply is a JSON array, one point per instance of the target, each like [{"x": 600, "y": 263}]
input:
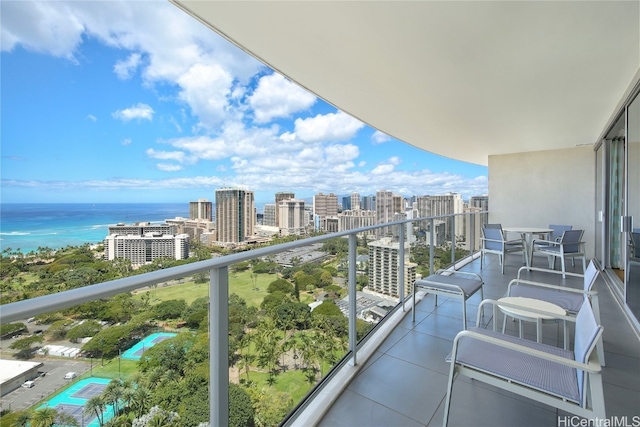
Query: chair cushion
[
  {"x": 532, "y": 371},
  {"x": 570, "y": 301},
  {"x": 450, "y": 283}
]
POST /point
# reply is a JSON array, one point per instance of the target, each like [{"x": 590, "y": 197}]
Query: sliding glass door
[{"x": 632, "y": 214}]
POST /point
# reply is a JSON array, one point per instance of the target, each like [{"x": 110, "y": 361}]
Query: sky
[{"x": 135, "y": 101}]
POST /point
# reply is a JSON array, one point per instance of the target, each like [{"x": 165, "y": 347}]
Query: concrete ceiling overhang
[{"x": 462, "y": 79}]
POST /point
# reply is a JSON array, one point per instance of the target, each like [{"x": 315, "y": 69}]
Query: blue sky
[{"x": 138, "y": 102}]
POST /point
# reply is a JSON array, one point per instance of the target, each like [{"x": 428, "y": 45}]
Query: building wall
[{"x": 539, "y": 188}]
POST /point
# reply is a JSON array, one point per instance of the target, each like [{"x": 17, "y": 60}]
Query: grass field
[{"x": 239, "y": 283}]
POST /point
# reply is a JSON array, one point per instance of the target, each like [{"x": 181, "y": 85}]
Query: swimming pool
[
  {"x": 136, "y": 351},
  {"x": 72, "y": 401}
]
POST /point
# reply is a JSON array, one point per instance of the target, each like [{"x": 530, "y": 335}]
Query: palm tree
[
  {"x": 22, "y": 419},
  {"x": 141, "y": 401},
  {"x": 112, "y": 394},
  {"x": 45, "y": 417},
  {"x": 95, "y": 405}
]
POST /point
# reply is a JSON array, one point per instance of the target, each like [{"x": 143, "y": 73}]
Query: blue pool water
[
  {"x": 72, "y": 401},
  {"x": 136, "y": 351}
]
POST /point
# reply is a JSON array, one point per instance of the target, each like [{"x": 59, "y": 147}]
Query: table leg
[{"x": 539, "y": 329}]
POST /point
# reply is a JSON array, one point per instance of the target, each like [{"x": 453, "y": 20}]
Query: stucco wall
[{"x": 539, "y": 188}]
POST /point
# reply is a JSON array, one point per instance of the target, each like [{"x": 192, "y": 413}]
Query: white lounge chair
[
  {"x": 567, "y": 380},
  {"x": 567, "y": 298}
]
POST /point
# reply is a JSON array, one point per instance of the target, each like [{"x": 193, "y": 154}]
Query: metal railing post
[
  {"x": 401, "y": 237},
  {"x": 353, "y": 333},
  {"x": 453, "y": 241},
  {"x": 219, "y": 347},
  {"x": 431, "y": 251}
]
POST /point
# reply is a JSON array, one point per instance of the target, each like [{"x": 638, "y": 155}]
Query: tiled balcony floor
[{"x": 404, "y": 382}]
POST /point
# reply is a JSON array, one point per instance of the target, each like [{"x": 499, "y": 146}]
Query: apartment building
[
  {"x": 384, "y": 265},
  {"x": 145, "y": 248},
  {"x": 235, "y": 215},
  {"x": 291, "y": 214},
  {"x": 201, "y": 209}
]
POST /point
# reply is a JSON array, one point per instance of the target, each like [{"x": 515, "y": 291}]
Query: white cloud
[
  {"x": 395, "y": 160},
  {"x": 126, "y": 141},
  {"x": 126, "y": 69},
  {"x": 168, "y": 167},
  {"x": 382, "y": 170},
  {"x": 380, "y": 137},
  {"x": 45, "y": 27},
  {"x": 276, "y": 97},
  {"x": 139, "y": 111},
  {"x": 327, "y": 128},
  {"x": 92, "y": 118},
  {"x": 178, "y": 156}
]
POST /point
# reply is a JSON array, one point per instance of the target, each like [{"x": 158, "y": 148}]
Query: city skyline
[{"x": 102, "y": 104}]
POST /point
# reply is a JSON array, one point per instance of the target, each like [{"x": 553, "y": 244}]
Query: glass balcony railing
[{"x": 255, "y": 307}]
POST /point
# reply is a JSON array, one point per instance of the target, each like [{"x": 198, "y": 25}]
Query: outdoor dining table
[{"x": 527, "y": 235}]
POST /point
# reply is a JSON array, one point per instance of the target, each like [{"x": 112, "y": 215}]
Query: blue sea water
[{"x": 27, "y": 226}]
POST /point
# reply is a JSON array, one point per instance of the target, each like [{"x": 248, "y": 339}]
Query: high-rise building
[
  {"x": 369, "y": 203},
  {"x": 235, "y": 215},
  {"x": 346, "y": 203},
  {"x": 269, "y": 215},
  {"x": 292, "y": 217},
  {"x": 280, "y": 196},
  {"x": 141, "y": 228},
  {"x": 356, "y": 218},
  {"x": 384, "y": 263},
  {"x": 482, "y": 203},
  {"x": 145, "y": 248},
  {"x": 385, "y": 208},
  {"x": 201, "y": 209},
  {"x": 324, "y": 206},
  {"x": 445, "y": 204},
  {"x": 355, "y": 201}
]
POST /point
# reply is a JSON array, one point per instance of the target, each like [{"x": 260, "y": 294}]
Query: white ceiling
[{"x": 463, "y": 79}]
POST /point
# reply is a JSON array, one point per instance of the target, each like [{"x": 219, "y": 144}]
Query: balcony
[
  {"x": 404, "y": 382},
  {"x": 397, "y": 376}
]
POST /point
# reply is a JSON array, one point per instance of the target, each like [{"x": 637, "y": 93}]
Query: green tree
[
  {"x": 171, "y": 309},
  {"x": 88, "y": 328},
  {"x": 44, "y": 417},
  {"x": 281, "y": 285},
  {"x": 241, "y": 412},
  {"x": 95, "y": 405},
  {"x": 26, "y": 343}
]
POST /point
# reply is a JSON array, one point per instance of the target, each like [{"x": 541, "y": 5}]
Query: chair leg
[
  {"x": 564, "y": 276},
  {"x": 464, "y": 313}
]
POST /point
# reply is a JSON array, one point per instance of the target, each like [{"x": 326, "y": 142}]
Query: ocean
[{"x": 27, "y": 226}]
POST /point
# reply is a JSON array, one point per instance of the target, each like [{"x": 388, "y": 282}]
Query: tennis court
[
  {"x": 146, "y": 343},
  {"x": 72, "y": 400}
]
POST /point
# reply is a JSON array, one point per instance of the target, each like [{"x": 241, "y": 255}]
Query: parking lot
[
  {"x": 22, "y": 398},
  {"x": 55, "y": 369}
]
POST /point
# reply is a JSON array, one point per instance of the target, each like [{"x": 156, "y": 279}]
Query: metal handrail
[{"x": 219, "y": 286}]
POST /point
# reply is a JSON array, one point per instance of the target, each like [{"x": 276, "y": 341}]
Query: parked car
[
  {"x": 28, "y": 384},
  {"x": 70, "y": 375}
]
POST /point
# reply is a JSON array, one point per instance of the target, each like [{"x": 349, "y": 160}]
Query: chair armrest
[
  {"x": 462, "y": 273},
  {"x": 546, "y": 270},
  {"x": 547, "y": 242},
  {"x": 549, "y": 286},
  {"x": 591, "y": 367}
]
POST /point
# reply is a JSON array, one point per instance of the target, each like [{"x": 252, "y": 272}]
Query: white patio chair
[
  {"x": 493, "y": 242},
  {"x": 567, "y": 380},
  {"x": 570, "y": 246},
  {"x": 569, "y": 299}
]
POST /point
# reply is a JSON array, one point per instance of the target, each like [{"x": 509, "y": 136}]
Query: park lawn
[
  {"x": 240, "y": 283},
  {"x": 113, "y": 369},
  {"x": 293, "y": 382}
]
